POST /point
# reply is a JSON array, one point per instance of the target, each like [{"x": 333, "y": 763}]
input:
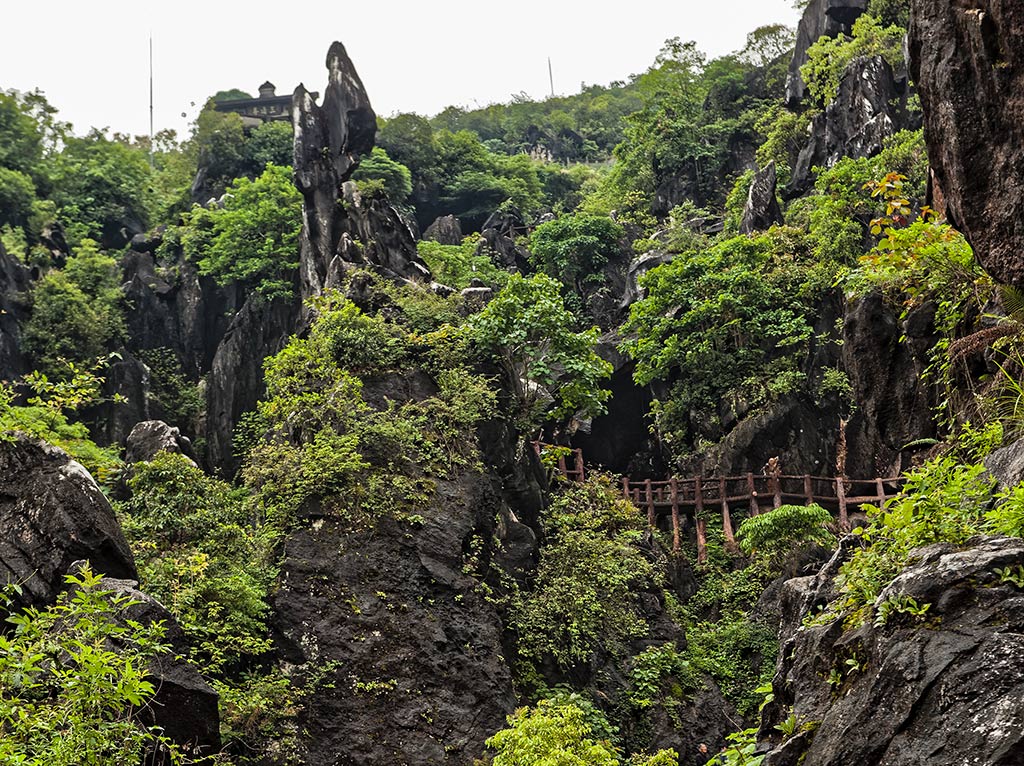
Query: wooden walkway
[{"x": 696, "y": 499}]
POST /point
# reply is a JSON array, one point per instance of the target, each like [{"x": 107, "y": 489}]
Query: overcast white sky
[{"x": 91, "y": 58}]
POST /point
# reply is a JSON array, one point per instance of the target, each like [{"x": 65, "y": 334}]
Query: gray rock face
[
  {"x": 235, "y": 382},
  {"x": 386, "y": 242},
  {"x": 944, "y": 694},
  {"x": 894, "y": 406},
  {"x": 14, "y": 279},
  {"x": 329, "y": 141},
  {"x": 822, "y": 18},
  {"x": 53, "y": 514},
  {"x": 445, "y": 230},
  {"x": 968, "y": 62},
  {"x": 870, "y": 107},
  {"x": 151, "y": 437},
  {"x": 762, "y": 208},
  {"x": 498, "y": 240},
  {"x": 1007, "y": 464},
  {"x": 377, "y": 607}
]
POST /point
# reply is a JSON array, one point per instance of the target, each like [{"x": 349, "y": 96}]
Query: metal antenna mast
[
  {"x": 551, "y": 77},
  {"x": 151, "y": 99}
]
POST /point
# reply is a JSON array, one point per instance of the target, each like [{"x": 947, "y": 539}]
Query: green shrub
[
  {"x": 583, "y": 600},
  {"x": 67, "y": 696},
  {"x": 574, "y": 248},
  {"x": 778, "y": 533},
  {"x": 828, "y": 58},
  {"x": 457, "y": 265}
]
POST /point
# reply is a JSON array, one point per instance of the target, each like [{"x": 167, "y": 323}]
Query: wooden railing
[{"x": 683, "y": 500}]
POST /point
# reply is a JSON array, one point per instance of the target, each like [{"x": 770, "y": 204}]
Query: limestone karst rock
[
  {"x": 822, "y": 18},
  {"x": 967, "y": 60},
  {"x": 762, "y": 208}
]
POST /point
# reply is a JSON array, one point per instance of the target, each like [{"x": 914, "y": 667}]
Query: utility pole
[
  {"x": 551, "y": 77},
  {"x": 151, "y": 163}
]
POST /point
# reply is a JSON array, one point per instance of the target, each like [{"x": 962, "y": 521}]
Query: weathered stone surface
[
  {"x": 884, "y": 360},
  {"x": 445, "y": 230},
  {"x": 498, "y": 240},
  {"x": 329, "y": 142},
  {"x": 1006, "y": 465},
  {"x": 387, "y": 243},
  {"x": 869, "y": 107},
  {"x": 235, "y": 383},
  {"x": 52, "y": 514},
  {"x": 762, "y": 208},
  {"x": 944, "y": 693},
  {"x": 633, "y": 292},
  {"x": 151, "y": 437},
  {"x": 822, "y": 18},
  {"x": 14, "y": 281},
  {"x": 967, "y": 60}
]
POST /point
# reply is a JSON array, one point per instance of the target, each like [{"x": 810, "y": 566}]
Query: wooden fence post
[
  {"x": 675, "y": 515},
  {"x": 651, "y": 520},
  {"x": 844, "y": 519},
  {"x": 752, "y": 489},
  {"x": 881, "y": 491},
  {"x": 702, "y": 538},
  {"x": 625, "y": 488},
  {"x": 730, "y": 538},
  {"x": 808, "y": 489},
  {"x": 579, "y": 464}
]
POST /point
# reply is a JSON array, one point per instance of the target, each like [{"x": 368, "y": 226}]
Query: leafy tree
[
  {"x": 101, "y": 188},
  {"x": 269, "y": 144},
  {"x": 17, "y": 195},
  {"x": 21, "y": 144},
  {"x": 550, "y": 735},
  {"x": 828, "y": 58},
  {"x": 584, "y": 598},
  {"x": 253, "y": 238},
  {"x": 231, "y": 94},
  {"x": 527, "y": 328},
  {"x": 68, "y": 697},
  {"x": 220, "y": 146},
  {"x": 77, "y": 314},
  {"x": 776, "y": 534},
  {"x": 574, "y": 248},
  {"x": 395, "y": 177},
  {"x": 712, "y": 321},
  {"x": 458, "y": 265}
]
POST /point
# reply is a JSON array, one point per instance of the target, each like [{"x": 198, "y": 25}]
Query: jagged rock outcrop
[
  {"x": 235, "y": 382},
  {"x": 944, "y": 689},
  {"x": 407, "y": 652},
  {"x": 884, "y": 359},
  {"x": 498, "y": 240},
  {"x": 14, "y": 280},
  {"x": 151, "y": 437},
  {"x": 871, "y": 105},
  {"x": 55, "y": 518},
  {"x": 329, "y": 142},
  {"x": 53, "y": 514},
  {"x": 762, "y": 209},
  {"x": 967, "y": 60},
  {"x": 374, "y": 234},
  {"x": 444, "y": 230},
  {"x": 822, "y": 18}
]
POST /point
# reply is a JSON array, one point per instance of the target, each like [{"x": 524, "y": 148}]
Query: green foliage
[
  {"x": 828, "y": 58},
  {"x": 891, "y": 12},
  {"x": 660, "y": 673},
  {"x": 314, "y": 439},
  {"x": 583, "y": 600},
  {"x": 181, "y": 400},
  {"x": 395, "y": 177},
  {"x": 198, "y": 553},
  {"x": 550, "y": 735},
  {"x": 457, "y": 265},
  {"x": 74, "y": 681},
  {"x": 785, "y": 134},
  {"x": 219, "y": 145},
  {"x": 253, "y": 238},
  {"x": 738, "y": 653},
  {"x": 17, "y": 195},
  {"x": 778, "y": 533},
  {"x": 714, "y": 319},
  {"x": 100, "y": 186},
  {"x": 574, "y": 248},
  {"x": 527, "y": 328},
  {"x": 740, "y": 751},
  {"x": 77, "y": 314},
  {"x": 269, "y": 144},
  {"x": 944, "y": 501}
]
